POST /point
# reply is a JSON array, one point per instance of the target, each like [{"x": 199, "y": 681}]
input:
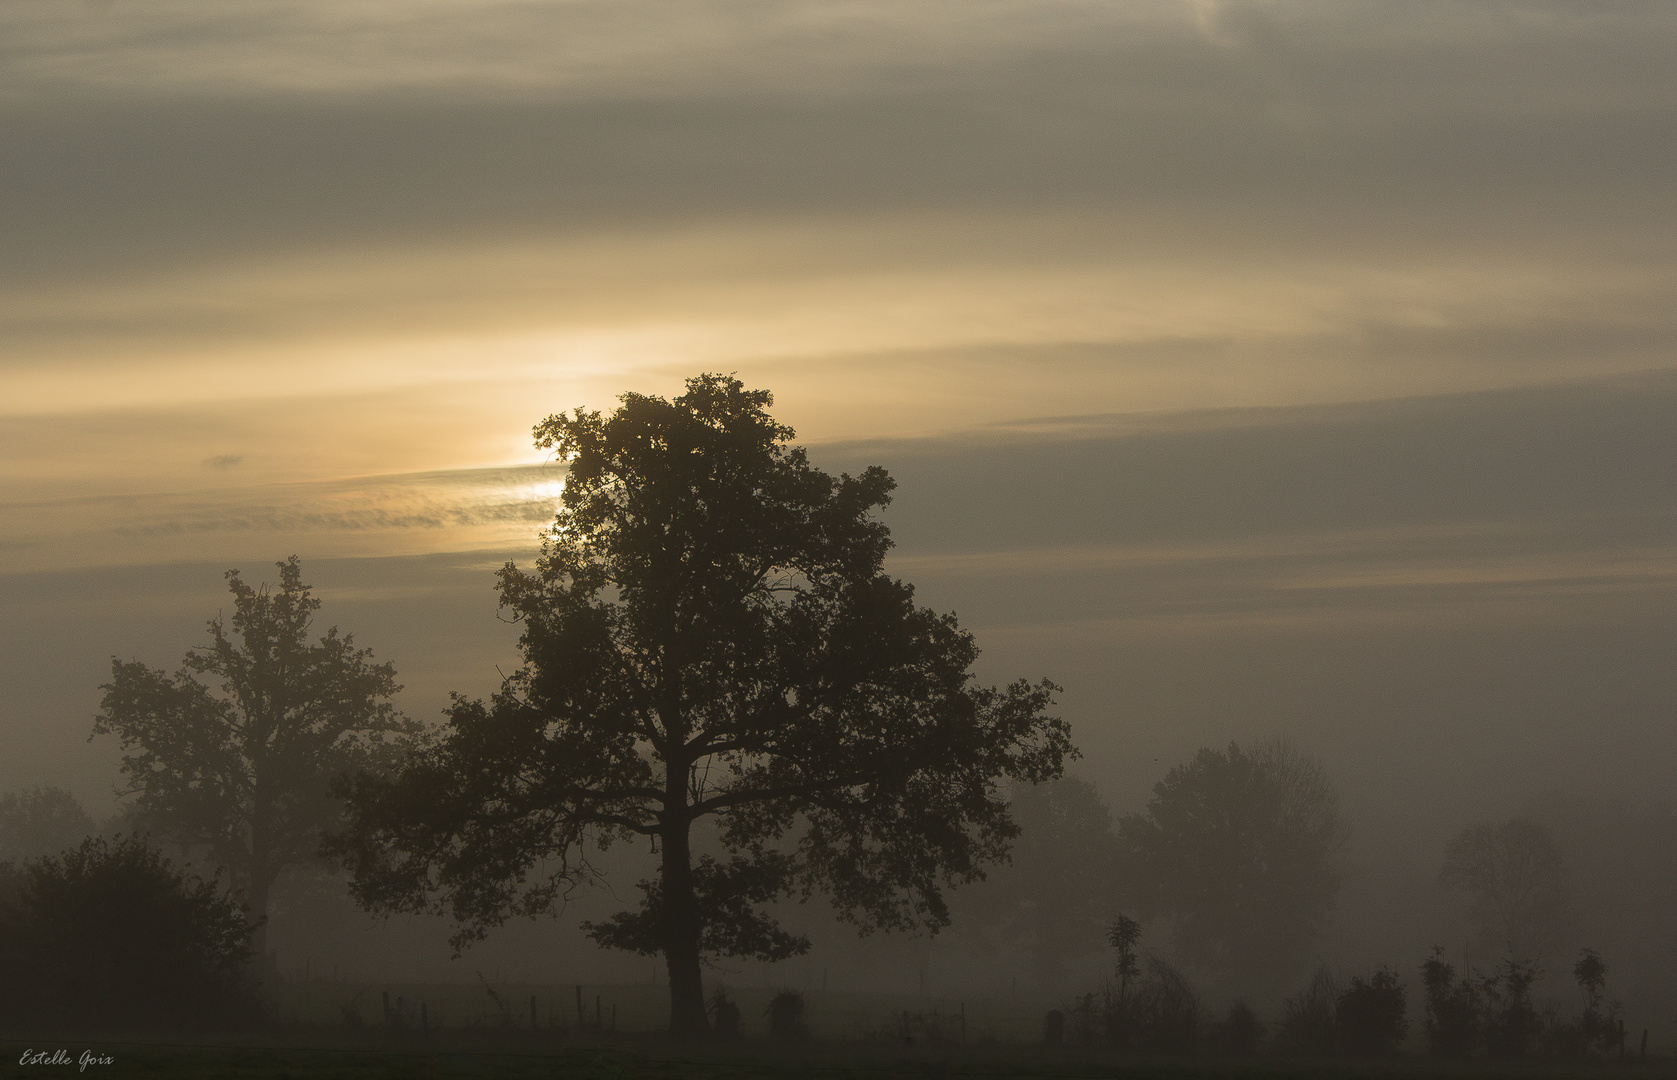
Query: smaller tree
[
  {"x": 1053, "y": 894},
  {"x": 241, "y": 768},
  {"x": 113, "y": 934},
  {"x": 1123, "y": 935},
  {"x": 1241, "y": 848},
  {"x": 1598, "y": 1028},
  {"x": 41, "y": 821},
  {"x": 1516, "y": 879}
]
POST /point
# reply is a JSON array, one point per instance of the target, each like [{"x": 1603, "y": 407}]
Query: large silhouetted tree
[
  {"x": 1240, "y": 847},
  {"x": 708, "y": 634},
  {"x": 241, "y": 766}
]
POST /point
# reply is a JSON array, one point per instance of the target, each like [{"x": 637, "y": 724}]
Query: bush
[
  {"x": 1309, "y": 1025},
  {"x": 1513, "y": 1028},
  {"x": 724, "y": 1015},
  {"x": 1239, "y": 1033},
  {"x": 111, "y": 935},
  {"x": 1453, "y": 1009},
  {"x": 1164, "y": 1011},
  {"x": 1369, "y": 1016},
  {"x": 786, "y": 1015}
]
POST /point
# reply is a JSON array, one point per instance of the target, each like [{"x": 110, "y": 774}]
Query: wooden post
[
  {"x": 1644, "y": 1051},
  {"x": 424, "y": 1018},
  {"x": 581, "y": 1017},
  {"x": 963, "y": 1021},
  {"x": 614, "y": 1016},
  {"x": 533, "y": 1024},
  {"x": 386, "y": 1006},
  {"x": 596, "y": 1012},
  {"x": 398, "y": 1011}
]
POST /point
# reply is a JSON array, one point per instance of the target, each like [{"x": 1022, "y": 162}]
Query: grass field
[
  {"x": 335, "y": 1053},
  {"x": 361, "y": 1031}
]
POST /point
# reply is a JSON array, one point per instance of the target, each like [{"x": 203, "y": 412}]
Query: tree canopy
[
  {"x": 709, "y": 635},
  {"x": 242, "y": 767},
  {"x": 1055, "y": 896},
  {"x": 40, "y": 821},
  {"x": 1517, "y": 883},
  {"x": 1240, "y": 848}
]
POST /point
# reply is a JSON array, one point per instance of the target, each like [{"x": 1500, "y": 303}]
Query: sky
[{"x": 1249, "y": 368}]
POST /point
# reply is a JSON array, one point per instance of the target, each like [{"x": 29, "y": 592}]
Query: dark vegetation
[
  {"x": 111, "y": 935},
  {"x": 716, "y": 665}
]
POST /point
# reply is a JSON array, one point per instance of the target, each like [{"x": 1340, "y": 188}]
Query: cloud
[{"x": 224, "y": 461}]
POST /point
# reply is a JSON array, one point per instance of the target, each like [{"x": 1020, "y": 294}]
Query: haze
[{"x": 1247, "y": 368}]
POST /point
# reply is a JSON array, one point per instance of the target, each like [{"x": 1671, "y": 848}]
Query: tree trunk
[{"x": 680, "y": 917}]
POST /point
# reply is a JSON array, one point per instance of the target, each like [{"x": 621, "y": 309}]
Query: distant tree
[
  {"x": 1054, "y": 896},
  {"x": 241, "y": 768},
  {"x": 110, "y": 933},
  {"x": 1517, "y": 882},
  {"x": 709, "y": 635},
  {"x": 1240, "y": 847},
  {"x": 41, "y": 821}
]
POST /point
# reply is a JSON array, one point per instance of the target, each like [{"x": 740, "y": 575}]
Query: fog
[{"x": 1254, "y": 370}]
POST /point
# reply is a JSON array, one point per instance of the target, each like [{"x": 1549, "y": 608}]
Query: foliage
[
  {"x": 1241, "y": 847},
  {"x": 786, "y": 1015},
  {"x": 724, "y": 1015},
  {"x": 1598, "y": 1027},
  {"x": 1123, "y": 935},
  {"x": 112, "y": 934},
  {"x": 41, "y": 821},
  {"x": 709, "y": 635},
  {"x": 1453, "y": 1008},
  {"x": 1512, "y": 1026},
  {"x": 1309, "y": 1022},
  {"x": 1054, "y": 892},
  {"x": 1369, "y": 1016},
  {"x": 1517, "y": 882},
  {"x": 242, "y": 768},
  {"x": 1166, "y": 1010}
]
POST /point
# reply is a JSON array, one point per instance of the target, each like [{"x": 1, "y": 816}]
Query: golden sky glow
[{"x": 1189, "y": 315}]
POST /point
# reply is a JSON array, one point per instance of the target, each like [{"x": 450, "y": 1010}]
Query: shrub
[
  {"x": 1165, "y": 1010},
  {"x": 1239, "y": 1032},
  {"x": 1370, "y": 1015},
  {"x": 1512, "y": 1027},
  {"x": 786, "y": 1015},
  {"x": 724, "y": 1015},
  {"x": 1453, "y": 1009},
  {"x": 110, "y": 934},
  {"x": 1309, "y": 1024}
]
